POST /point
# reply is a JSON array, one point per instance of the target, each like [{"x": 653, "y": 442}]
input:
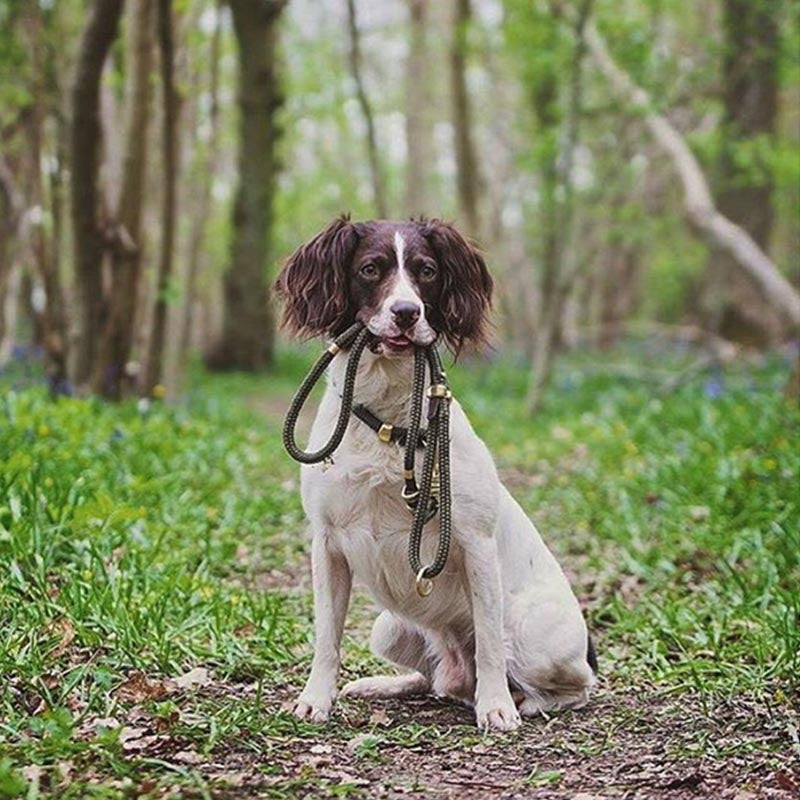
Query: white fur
[
  {"x": 501, "y": 611},
  {"x": 382, "y": 323}
]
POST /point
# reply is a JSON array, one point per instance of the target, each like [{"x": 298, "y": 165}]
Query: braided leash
[{"x": 433, "y": 494}]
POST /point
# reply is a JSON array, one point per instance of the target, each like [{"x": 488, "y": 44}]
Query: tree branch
[{"x": 701, "y": 212}]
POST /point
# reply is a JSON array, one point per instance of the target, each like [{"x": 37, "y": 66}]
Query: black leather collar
[{"x": 391, "y": 434}]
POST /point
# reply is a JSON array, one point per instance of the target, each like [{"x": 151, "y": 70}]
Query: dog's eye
[
  {"x": 428, "y": 272},
  {"x": 368, "y": 271}
]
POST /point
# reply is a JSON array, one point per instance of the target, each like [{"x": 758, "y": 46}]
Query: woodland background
[
  {"x": 630, "y": 168},
  {"x": 158, "y": 160}
]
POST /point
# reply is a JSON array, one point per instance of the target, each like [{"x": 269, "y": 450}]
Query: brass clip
[
  {"x": 440, "y": 390},
  {"x": 424, "y": 585},
  {"x": 385, "y": 432},
  {"x": 333, "y": 348}
]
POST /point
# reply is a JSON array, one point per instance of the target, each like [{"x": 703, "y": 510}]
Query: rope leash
[{"x": 433, "y": 494}]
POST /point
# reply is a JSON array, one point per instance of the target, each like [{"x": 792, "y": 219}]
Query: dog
[{"x": 502, "y": 630}]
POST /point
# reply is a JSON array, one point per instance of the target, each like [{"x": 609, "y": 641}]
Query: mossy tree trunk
[
  {"x": 85, "y": 146},
  {"x": 248, "y": 328}
]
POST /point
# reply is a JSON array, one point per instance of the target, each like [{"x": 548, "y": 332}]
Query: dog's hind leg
[{"x": 401, "y": 644}]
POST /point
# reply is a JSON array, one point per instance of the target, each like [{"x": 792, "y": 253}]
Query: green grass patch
[{"x": 144, "y": 539}]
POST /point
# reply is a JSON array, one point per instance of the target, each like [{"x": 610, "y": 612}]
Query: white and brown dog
[{"x": 502, "y": 618}]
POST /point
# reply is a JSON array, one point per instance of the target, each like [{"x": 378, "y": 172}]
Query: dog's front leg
[
  {"x": 332, "y": 581},
  {"x": 494, "y": 706}
]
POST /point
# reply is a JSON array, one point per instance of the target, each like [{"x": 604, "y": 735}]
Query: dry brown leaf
[
  {"x": 32, "y": 773},
  {"x": 142, "y": 743},
  {"x": 138, "y": 688},
  {"x": 64, "y": 629},
  {"x": 188, "y": 757},
  {"x": 786, "y": 782},
  {"x": 129, "y": 733},
  {"x": 93, "y": 725},
  {"x": 193, "y": 679},
  {"x": 379, "y": 717}
]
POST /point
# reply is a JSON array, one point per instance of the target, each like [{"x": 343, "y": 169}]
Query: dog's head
[{"x": 408, "y": 282}]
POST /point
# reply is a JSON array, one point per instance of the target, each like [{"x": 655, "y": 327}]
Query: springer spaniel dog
[{"x": 502, "y": 630}]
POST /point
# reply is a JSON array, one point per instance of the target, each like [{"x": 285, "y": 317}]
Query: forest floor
[{"x": 156, "y": 607}]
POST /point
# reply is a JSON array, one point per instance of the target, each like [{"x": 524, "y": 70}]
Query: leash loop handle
[{"x": 356, "y": 335}]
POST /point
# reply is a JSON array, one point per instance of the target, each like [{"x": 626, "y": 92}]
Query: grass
[{"x": 138, "y": 543}]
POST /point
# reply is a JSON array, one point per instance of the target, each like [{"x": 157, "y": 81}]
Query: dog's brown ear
[
  {"x": 313, "y": 282},
  {"x": 462, "y": 315}
]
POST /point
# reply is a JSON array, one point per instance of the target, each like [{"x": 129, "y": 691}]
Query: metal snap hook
[{"x": 424, "y": 585}]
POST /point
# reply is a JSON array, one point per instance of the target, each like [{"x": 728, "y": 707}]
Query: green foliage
[
  {"x": 685, "y": 505},
  {"x": 145, "y": 538}
]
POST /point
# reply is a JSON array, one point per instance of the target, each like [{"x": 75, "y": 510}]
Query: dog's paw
[
  {"x": 498, "y": 716},
  {"x": 313, "y": 709}
]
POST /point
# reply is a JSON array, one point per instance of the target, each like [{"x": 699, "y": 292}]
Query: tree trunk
[
  {"x": 51, "y": 314},
  {"x": 85, "y": 139},
  {"x": 10, "y": 212},
  {"x": 378, "y": 185},
  {"x": 114, "y": 352},
  {"x": 248, "y": 328},
  {"x": 419, "y": 127},
  {"x": 467, "y": 173},
  {"x": 702, "y": 214},
  {"x": 201, "y": 214},
  {"x": 559, "y": 211},
  {"x": 750, "y": 96},
  {"x": 169, "y": 134}
]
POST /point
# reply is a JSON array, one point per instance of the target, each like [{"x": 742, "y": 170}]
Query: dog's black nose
[{"x": 405, "y": 314}]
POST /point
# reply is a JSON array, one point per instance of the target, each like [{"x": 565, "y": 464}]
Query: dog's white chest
[{"x": 369, "y": 523}]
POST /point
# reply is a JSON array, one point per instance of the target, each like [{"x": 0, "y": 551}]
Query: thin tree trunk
[
  {"x": 750, "y": 96},
  {"x": 559, "y": 275},
  {"x": 701, "y": 213},
  {"x": 467, "y": 174},
  {"x": 378, "y": 185},
  {"x": 169, "y": 133},
  {"x": 110, "y": 369},
  {"x": 85, "y": 139},
  {"x": 248, "y": 328},
  {"x": 51, "y": 314},
  {"x": 10, "y": 212},
  {"x": 419, "y": 127},
  {"x": 200, "y": 217}
]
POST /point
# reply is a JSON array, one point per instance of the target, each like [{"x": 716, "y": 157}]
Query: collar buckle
[{"x": 385, "y": 432}]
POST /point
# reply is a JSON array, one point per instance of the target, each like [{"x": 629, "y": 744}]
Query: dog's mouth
[{"x": 397, "y": 343}]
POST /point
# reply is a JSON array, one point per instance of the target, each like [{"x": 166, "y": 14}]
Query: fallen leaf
[
  {"x": 362, "y": 740},
  {"x": 32, "y": 773},
  {"x": 587, "y": 796},
  {"x": 347, "y": 777},
  {"x": 64, "y": 629},
  {"x": 93, "y": 725},
  {"x": 379, "y": 717},
  {"x": 193, "y": 679},
  {"x": 233, "y": 779},
  {"x": 64, "y": 769},
  {"x": 138, "y": 688},
  {"x": 245, "y": 631},
  {"x": 143, "y": 743},
  {"x": 128, "y": 734},
  {"x": 188, "y": 757},
  {"x": 785, "y": 781}
]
